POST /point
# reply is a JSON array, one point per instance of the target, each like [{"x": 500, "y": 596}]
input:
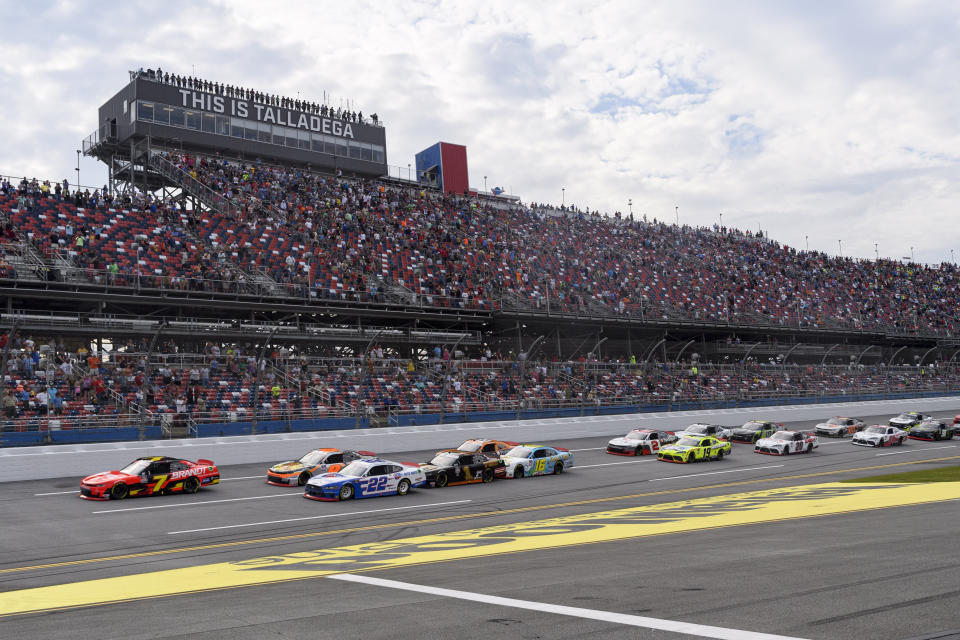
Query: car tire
[
  {"x": 119, "y": 491},
  {"x": 518, "y": 472},
  {"x": 488, "y": 475},
  {"x": 403, "y": 488},
  {"x": 441, "y": 480},
  {"x": 303, "y": 479},
  {"x": 191, "y": 485},
  {"x": 346, "y": 492},
  {"x": 719, "y": 455},
  {"x": 638, "y": 451},
  {"x": 558, "y": 468},
  {"x": 686, "y": 459}
]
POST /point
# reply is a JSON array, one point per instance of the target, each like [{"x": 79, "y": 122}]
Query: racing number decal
[
  {"x": 377, "y": 484},
  {"x": 160, "y": 481},
  {"x": 654, "y": 445},
  {"x": 540, "y": 465}
]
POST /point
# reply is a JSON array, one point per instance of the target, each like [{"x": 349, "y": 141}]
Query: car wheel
[
  {"x": 346, "y": 492},
  {"x": 191, "y": 485},
  {"x": 119, "y": 491},
  {"x": 488, "y": 475},
  {"x": 686, "y": 458},
  {"x": 518, "y": 472},
  {"x": 638, "y": 451},
  {"x": 441, "y": 480},
  {"x": 403, "y": 488},
  {"x": 900, "y": 442},
  {"x": 304, "y": 478},
  {"x": 558, "y": 468},
  {"x": 720, "y": 455}
]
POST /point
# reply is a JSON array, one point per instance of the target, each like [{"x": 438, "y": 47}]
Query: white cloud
[{"x": 833, "y": 121}]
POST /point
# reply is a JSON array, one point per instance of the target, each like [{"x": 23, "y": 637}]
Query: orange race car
[
  {"x": 150, "y": 476},
  {"x": 298, "y": 472},
  {"x": 492, "y": 449}
]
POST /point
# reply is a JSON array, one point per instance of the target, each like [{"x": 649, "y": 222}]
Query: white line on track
[
  {"x": 262, "y": 476},
  {"x": 591, "y": 449},
  {"x": 701, "y": 630},
  {"x": 713, "y": 473},
  {"x": 193, "y": 504},
  {"x": 607, "y": 464},
  {"x": 893, "y": 453},
  {"x": 57, "y": 493},
  {"x": 328, "y": 515}
]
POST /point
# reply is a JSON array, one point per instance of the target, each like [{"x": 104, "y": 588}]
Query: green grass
[{"x": 940, "y": 474}]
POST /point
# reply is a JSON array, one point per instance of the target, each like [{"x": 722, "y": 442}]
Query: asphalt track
[{"x": 824, "y": 568}]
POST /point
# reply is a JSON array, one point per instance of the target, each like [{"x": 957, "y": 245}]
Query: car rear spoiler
[
  {"x": 562, "y": 449},
  {"x": 205, "y": 461},
  {"x": 367, "y": 453},
  {"x": 512, "y": 444}
]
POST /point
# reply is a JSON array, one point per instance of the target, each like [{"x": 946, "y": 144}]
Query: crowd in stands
[
  {"x": 337, "y": 238},
  {"x": 231, "y": 91},
  {"x": 46, "y": 381}
]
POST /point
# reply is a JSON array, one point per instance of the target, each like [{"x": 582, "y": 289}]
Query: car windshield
[
  {"x": 875, "y": 429},
  {"x": 689, "y": 442},
  {"x": 314, "y": 457},
  {"x": 697, "y": 428},
  {"x": 836, "y": 422},
  {"x": 356, "y": 468},
  {"x": 753, "y": 426},
  {"x": 471, "y": 445},
  {"x": 637, "y": 435},
  {"x": 519, "y": 452},
  {"x": 907, "y": 416},
  {"x": 445, "y": 459},
  {"x": 782, "y": 435},
  {"x": 136, "y": 467},
  {"x": 928, "y": 424}
]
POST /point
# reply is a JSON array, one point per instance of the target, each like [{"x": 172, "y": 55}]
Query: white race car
[
  {"x": 640, "y": 442},
  {"x": 879, "y": 435},
  {"x": 786, "y": 442},
  {"x": 527, "y": 460},
  {"x": 366, "y": 478},
  {"x": 698, "y": 430}
]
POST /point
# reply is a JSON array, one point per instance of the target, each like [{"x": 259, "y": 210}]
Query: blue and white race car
[
  {"x": 366, "y": 478},
  {"x": 535, "y": 460}
]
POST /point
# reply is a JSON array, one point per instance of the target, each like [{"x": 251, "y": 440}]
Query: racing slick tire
[
  {"x": 403, "y": 488},
  {"x": 191, "y": 485},
  {"x": 303, "y": 478},
  {"x": 487, "y": 475},
  {"x": 719, "y": 455},
  {"x": 686, "y": 458},
  {"x": 638, "y": 451},
  {"x": 558, "y": 468},
  {"x": 346, "y": 492},
  {"x": 518, "y": 472},
  {"x": 442, "y": 480},
  {"x": 900, "y": 442},
  {"x": 119, "y": 491}
]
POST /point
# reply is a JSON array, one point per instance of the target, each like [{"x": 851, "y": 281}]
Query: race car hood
[
  {"x": 830, "y": 427},
  {"x": 922, "y": 428},
  {"x": 290, "y": 466},
  {"x": 626, "y": 442},
  {"x": 740, "y": 431},
  {"x": 769, "y": 442},
  {"x": 329, "y": 479},
  {"x": 427, "y": 467},
  {"x": 107, "y": 477},
  {"x": 867, "y": 436},
  {"x": 677, "y": 447},
  {"x": 902, "y": 420}
]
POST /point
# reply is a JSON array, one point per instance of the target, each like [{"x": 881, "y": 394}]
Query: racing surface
[{"x": 873, "y": 573}]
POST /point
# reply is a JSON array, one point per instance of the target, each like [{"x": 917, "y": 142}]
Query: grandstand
[{"x": 229, "y": 281}]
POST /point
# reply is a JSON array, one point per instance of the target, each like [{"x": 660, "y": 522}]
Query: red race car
[{"x": 150, "y": 476}]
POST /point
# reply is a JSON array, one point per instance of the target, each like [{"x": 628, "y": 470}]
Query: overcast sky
[{"x": 837, "y": 121}]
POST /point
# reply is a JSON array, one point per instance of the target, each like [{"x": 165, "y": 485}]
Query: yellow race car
[{"x": 693, "y": 449}]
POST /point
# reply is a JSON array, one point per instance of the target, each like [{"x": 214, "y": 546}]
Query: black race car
[
  {"x": 754, "y": 430},
  {"x": 452, "y": 467},
  {"x": 931, "y": 429}
]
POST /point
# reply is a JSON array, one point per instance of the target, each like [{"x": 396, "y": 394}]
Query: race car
[
  {"x": 298, "y": 472},
  {"x": 694, "y": 448},
  {"x": 492, "y": 449},
  {"x": 931, "y": 429},
  {"x": 753, "y": 430},
  {"x": 150, "y": 476},
  {"x": 640, "y": 442},
  {"x": 786, "y": 442},
  {"x": 366, "y": 478},
  {"x": 453, "y": 467},
  {"x": 956, "y": 419},
  {"x": 907, "y": 420},
  {"x": 528, "y": 460},
  {"x": 839, "y": 427},
  {"x": 879, "y": 435},
  {"x": 698, "y": 429}
]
